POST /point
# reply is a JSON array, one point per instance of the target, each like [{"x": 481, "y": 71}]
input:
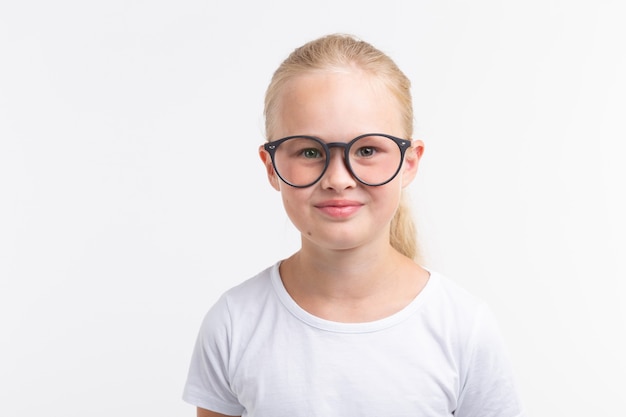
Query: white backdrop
[{"x": 131, "y": 194}]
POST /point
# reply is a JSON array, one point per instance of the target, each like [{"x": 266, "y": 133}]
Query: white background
[{"x": 131, "y": 194}]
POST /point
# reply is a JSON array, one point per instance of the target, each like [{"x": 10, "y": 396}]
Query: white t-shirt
[{"x": 259, "y": 354}]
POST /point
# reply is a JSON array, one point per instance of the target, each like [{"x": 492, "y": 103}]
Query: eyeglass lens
[{"x": 373, "y": 160}]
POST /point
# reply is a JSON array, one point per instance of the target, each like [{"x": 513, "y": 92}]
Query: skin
[
  {"x": 206, "y": 413},
  {"x": 346, "y": 270}
]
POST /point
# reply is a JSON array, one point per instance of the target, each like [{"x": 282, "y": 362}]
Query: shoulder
[
  {"x": 486, "y": 378},
  {"x": 470, "y": 317},
  {"x": 456, "y": 315},
  {"x": 249, "y": 294},
  {"x": 244, "y": 302},
  {"x": 253, "y": 288}
]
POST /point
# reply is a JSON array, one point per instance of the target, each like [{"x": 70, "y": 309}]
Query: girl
[{"x": 350, "y": 324}]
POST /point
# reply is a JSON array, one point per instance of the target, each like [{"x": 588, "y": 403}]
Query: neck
[
  {"x": 359, "y": 285},
  {"x": 344, "y": 272}
]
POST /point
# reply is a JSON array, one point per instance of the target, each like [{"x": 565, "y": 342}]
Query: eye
[
  {"x": 366, "y": 151},
  {"x": 311, "y": 153}
]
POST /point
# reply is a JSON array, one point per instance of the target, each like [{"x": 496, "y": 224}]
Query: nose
[{"x": 337, "y": 176}]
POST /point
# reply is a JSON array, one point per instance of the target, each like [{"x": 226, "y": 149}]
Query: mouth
[{"x": 339, "y": 208}]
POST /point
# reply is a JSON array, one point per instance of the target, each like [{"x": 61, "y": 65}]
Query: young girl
[{"x": 350, "y": 324}]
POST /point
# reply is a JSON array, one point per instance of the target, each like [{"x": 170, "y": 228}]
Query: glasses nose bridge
[
  {"x": 336, "y": 171},
  {"x": 344, "y": 151}
]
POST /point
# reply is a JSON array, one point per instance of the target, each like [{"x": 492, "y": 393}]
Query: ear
[
  {"x": 411, "y": 161},
  {"x": 269, "y": 168}
]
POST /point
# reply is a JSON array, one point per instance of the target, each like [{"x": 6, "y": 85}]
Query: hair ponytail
[{"x": 403, "y": 234}]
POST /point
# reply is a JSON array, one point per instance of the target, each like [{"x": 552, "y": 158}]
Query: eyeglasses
[{"x": 373, "y": 159}]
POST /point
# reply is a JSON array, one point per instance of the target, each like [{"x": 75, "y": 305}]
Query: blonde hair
[{"x": 337, "y": 52}]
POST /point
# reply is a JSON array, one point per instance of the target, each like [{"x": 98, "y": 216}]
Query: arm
[
  {"x": 489, "y": 385},
  {"x": 206, "y": 413},
  {"x": 208, "y": 386}
]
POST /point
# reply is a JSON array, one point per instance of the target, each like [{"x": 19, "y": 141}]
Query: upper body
[
  {"x": 339, "y": 126},
  {"x": 260, "y": 354}
]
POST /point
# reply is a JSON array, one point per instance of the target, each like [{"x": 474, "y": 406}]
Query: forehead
[{"x": 337, "y": 104}]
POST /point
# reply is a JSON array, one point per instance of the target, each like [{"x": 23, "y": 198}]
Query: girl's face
[{"x": 338, "y": 212}]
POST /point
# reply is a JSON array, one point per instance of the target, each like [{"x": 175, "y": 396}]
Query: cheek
[
  {"x": 388, "y": 198},
  {"x": 294, "y": 202},
  {"x": 298, "y": 212}
]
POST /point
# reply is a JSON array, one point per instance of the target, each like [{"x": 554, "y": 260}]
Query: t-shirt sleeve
[
  {"x": 208, "y": 383},
  {"x": 488, "y": 387}
]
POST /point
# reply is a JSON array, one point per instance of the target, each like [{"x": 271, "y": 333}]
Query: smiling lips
[{"x": 339, "y": 208}]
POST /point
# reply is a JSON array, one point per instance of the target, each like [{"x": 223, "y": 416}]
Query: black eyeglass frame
[{"x": 403, "y": 145}]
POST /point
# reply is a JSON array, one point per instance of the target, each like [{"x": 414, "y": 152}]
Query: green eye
[
  {"x": 366, "y": 151},
  {"x": 311, "y": 153}
]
